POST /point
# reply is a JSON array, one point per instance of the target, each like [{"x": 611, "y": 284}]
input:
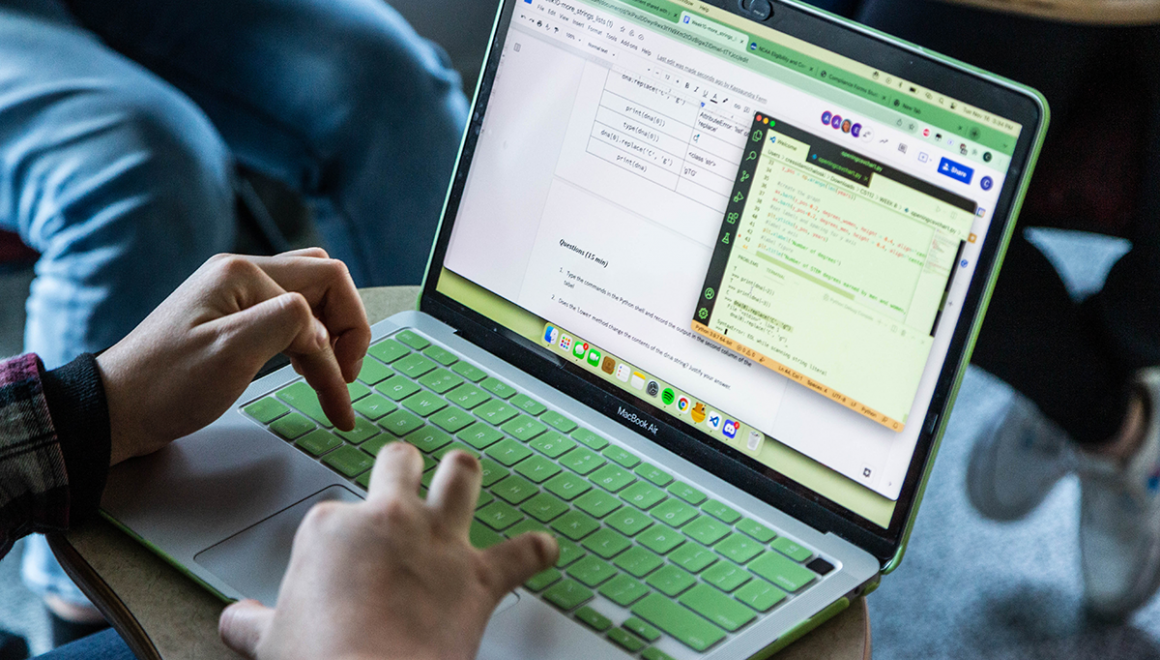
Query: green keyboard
[{"x": 642, "y": 555}]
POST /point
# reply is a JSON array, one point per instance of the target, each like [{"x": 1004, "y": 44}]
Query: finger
[
  {"x": 243, "y": 624},
  {"x": 455, "y": 489},
  {"x": 397, "y": 472},
  {"x": 321, "y": 371},
  {"x": 313, "y": 252},
  {"x": 516, "y": 560},
  {"x": 283, "y": 323}
]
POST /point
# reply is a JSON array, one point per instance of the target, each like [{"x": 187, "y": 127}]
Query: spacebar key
[{"x": 688, "y": 628}]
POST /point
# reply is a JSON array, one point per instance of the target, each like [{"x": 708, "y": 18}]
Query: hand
[
  {"x": 393, "y": 577},
  {"x": 190, "y": 360}
]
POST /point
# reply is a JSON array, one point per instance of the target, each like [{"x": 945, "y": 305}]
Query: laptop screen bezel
[{"x": 846, "y": 39}]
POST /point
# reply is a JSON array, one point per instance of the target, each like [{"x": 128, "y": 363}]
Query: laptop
[{"x": 706, "y": 282}]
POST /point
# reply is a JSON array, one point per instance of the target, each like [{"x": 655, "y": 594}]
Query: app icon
[
  {"x": 551, "y": 334},
  {"x": 594, "y": 357},
  {"x": 683, "y": 404},
  {"x": 987, "y": 156},
  {"x": 986, "y": 183},
  {"x": 715, "y": 420},
  {"x": 652, "y": 388},
  {"x": 836, "y": 122},
  {"x": 698, "y": 413},
  {"x": 580, "y": 348},
  {"x": 856, "y": 130},
  {"x": 566, "y": 343},
  {"x": 623, "y": 373},
  {"x": 826, "y": 117},
  {"x": 668, "y": 396},
  {"x": 755, "y": 440},
  {"x": 637, "y": 381},
  {"x": 981, "y": 212},
  {"x": 729, "y": 429},
  {"x": 608, "y": 365}
]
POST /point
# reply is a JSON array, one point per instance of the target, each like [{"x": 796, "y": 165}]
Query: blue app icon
[{"x": 987, "y": 183}]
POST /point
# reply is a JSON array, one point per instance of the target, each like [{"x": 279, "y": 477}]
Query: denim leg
[
  {"x": 105, "y": 645},
  {"x": 339, "y": 98},
  {"x": 116, "y": 179}
]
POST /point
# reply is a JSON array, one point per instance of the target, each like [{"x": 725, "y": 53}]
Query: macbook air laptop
[{"x": 707, "y": 279}]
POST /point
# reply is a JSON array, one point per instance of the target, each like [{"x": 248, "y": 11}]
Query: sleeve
[{"x": 54, "y": 446}]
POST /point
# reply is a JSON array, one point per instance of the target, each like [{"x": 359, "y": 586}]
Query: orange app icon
[
  {"x": 608, "y": 366},
  {"x": 698, "y": 413}
]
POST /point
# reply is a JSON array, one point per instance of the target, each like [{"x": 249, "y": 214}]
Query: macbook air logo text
[{"x": 637, "y": 419}]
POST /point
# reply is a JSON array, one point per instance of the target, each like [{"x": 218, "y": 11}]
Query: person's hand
[
  {"x": 198, "y": 351},
  {"x": 393, "y": 577}
]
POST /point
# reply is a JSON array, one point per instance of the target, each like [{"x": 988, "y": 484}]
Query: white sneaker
[
  {"x": 1119, "y": 527},
  {"x": 1015, "y": 463}
]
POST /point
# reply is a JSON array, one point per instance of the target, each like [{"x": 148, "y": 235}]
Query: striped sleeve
[{"x": 34, "y": 488}]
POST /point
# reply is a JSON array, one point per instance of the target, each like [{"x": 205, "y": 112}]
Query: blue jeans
[
  {"x": 121, "y": 122},
  {"x": 105, "y": 645}
]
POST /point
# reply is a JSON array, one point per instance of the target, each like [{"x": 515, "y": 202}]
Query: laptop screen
[{"x": 763, "y": 239}]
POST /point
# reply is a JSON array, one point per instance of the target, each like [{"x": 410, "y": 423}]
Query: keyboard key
[
  {"x": 414, "y": 366},
  {"x": 756, "y": 530},
  {"x": 498, "y": 388},
  {"x": 441, "y": 355},
  {"x": 528, "y": 404},
  {"x": 582, "y": 460},
  {"x": 468, "y": 396},
  {"x": 591, "y": 571},
  {"x": 685, "y": 626},
  {"x": 469, "y": 371},
  {"x": 558, "y": 421},
  {"x": 544, "y": 507},
  {"x": 481, "y": 537},
  {"x": 625, "y": 640},
  {"x": 363, "y": 430},
  {"x": 373, "y": 372},
  {"x": 660, "y": 539},
  {"x": 575, "y": 525},
  {"x": 266, "y": 410},
  {"x": 495, "y": 412},
  {"x": 318, "y": 442},
  {"x": 349, "y": 461},
  {"x": 498, "y": 516},
  {"x": 589, "y": 438},
  {"x": 452, "y": 419},
  {"x": 523, "y": 428},
  {"x": 508, "y": 452},
  {"x": 552, "y": 444},
  {"x": 376, "y": 444},
  {"x": 721, "y": 512},
  {"x": 642, "y": 495},
  {"x": 781, "y": 571},
  {"x": 738, "y": 548},
  {"x": 611, "y": 478},
  {"x": 441, "y": 381},
  {"x": 792, "y": 550},
  {"x": 726, "y": 576},
  {"x": 693, "y": 557},
  {"x": 484, "y": 499},
  {"x": 638, "y": 562},
  {"x": 674, "y": 512},
  {"x": 374, "y": 407},
  {"x": 760, "y": 595},
  {"x": 654, "y": 474},
  {"x": 364, "y": 479},
  {"x": 593, "y": 619},
  {"x": 397, "y": 388},
  {"x": 653, "y": 653},
  {"x": 628, "y": 520},
  {"x": 428, "y": 439},
  {"x": 543, "y": 580},
  {"x": 523, "y": 527},
  {"x": 605, "y": 543},
  {"x": 424, "y": 403},
  {"x": 357, "y": 390},
  {"x": 514, "y": 489},
  {"x": 538, "y": 469},
  {"x": 671, "y": 580},
  {"x": 401, "y": 422},
  {"x": 597, "y": 503},
  {"x": 413, "y": 340},
  {"x": 641, "y": 629},
  {"x": 623, "y": 590},
  {"x": 480, "y": 435},
  {"x": 292, "y": 426},
  {"x": 491, "y": 472},
  {"x": 820, "y": 566},
  {"x": 438, "y": 454},
  {"x": 303, "y": 397},
  {"x": 568, "y": 594},
  {"x": 706, "y": 530},
  {"x": 717, "y": 607},
  {"x": 388, "y": 350},
  {"x": 686, "y": 492},
  {"x": 569, "y": 552},
  {"x": 621, "y": 456},
  {"x": 567, "y": 486}
]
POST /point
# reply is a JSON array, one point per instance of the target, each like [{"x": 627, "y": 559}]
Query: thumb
[
  {"x": 243, "y": 624},
  {"x": 282, "y": 323},
  {"x": 516, "y": 560}
]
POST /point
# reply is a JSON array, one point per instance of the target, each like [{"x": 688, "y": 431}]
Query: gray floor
[{"x": 968, "y": 588}]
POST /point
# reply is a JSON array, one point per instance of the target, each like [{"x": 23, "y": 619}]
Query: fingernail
[{"x": 321, "y": 335}]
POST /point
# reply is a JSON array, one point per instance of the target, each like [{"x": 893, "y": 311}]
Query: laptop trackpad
[{"x": 254, "y": 560}]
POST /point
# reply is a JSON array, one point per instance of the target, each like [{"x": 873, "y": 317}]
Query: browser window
[{"x": 761, "y": 238}]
